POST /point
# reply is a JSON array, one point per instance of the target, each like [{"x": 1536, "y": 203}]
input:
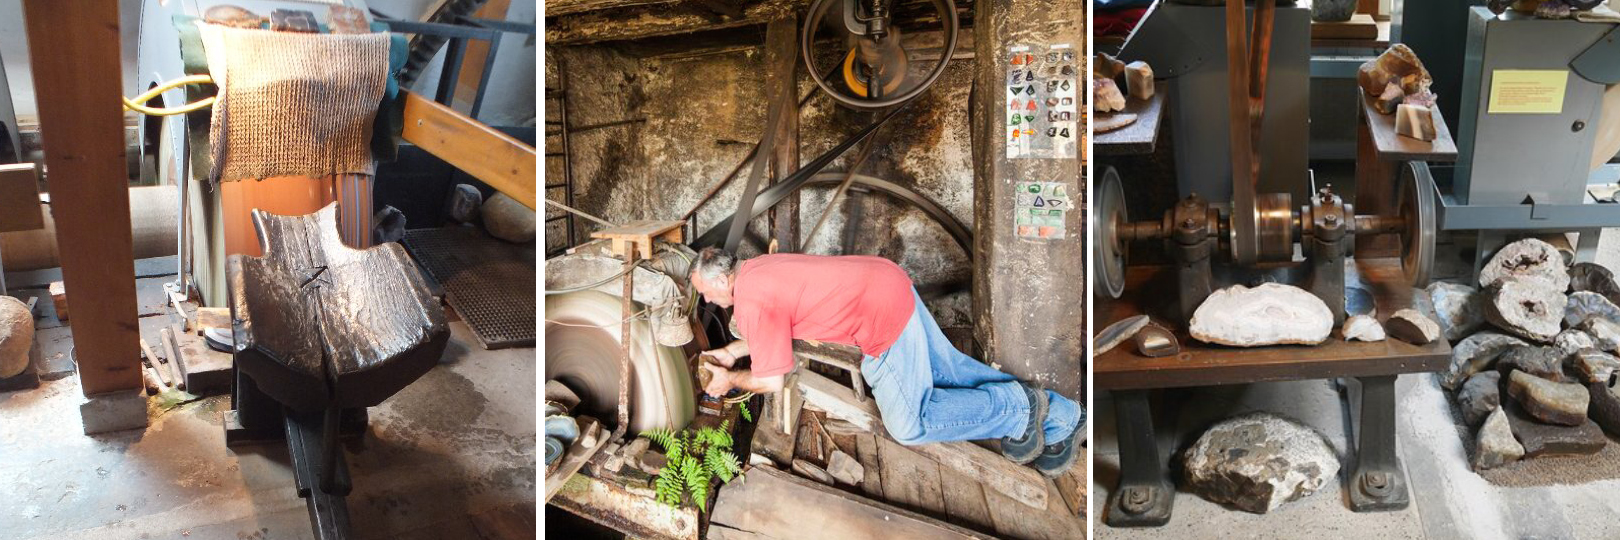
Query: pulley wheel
[
  {"x": 1274, "y": 222},
  {"x": 583, "y": 353},
  {"x": 1416, "y": 204},
  {"x": 1109, "y": 252},
  {"x": 851, "y": 26}
]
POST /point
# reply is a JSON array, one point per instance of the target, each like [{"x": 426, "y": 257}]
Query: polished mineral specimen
[
  {"x": 1139, "y": 80},
  {"x": 1528, "y": 307},
  {"x": 1105, "y": 96},
  {"x": 1259, "y": 461},
  {"x": 1474, "y": 354},
  {"x": 1460, "y": 309},
  {"x": 1547, "y": 401},
  {"x": 1528, "y": 258},
  {"x": 1412, "y": 327},
  {"x": 1362, "y": 328},
  {"x": 1105, "y": 123},
  {"x": 1415, "y": 121},
  {"x": 1496, "y": 446},
  {"x": 1399, "y": 65},
  {"x": 1270, "y": 314}
]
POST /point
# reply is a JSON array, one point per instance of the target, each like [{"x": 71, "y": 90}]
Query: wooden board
[
  {"x": 964, "y": 500},
  {"x": 67, "y": 45},
  {"x": 866, "y": 451},
  {"x": 19, "y": 198},
  {"x": 206, "y": 371},
  {"x": 1141, "y": 136},
  {"x": 909, "y": 479},
  {"x": 640, "y": 234},
  {"x": 1392, "y": 147},
  {"x": 1202, "y": 364},
  {"x": 779, "y": 505},
  {"x": 1360, "y": 26},
  {"x": 498, "y": 159}
]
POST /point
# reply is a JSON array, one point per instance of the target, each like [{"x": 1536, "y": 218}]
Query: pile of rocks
[{"x": 1534, "y": 360}]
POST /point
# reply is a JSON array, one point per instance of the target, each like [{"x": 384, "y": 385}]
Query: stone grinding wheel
[
  {"x": 1109, "y": 250},
  {"x": 582, "y": 352},
  {"x": 1416, "y": 203}
]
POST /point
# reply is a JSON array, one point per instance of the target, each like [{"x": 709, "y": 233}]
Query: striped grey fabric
[{"x": 293, "y": 104}]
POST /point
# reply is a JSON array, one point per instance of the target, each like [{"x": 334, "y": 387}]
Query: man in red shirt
[{"x": 926, "y": 390}]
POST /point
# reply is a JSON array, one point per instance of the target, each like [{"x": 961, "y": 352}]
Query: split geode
[
  {"x": 1257, "y": 462},
  {"x": 1584, "y": 305},
  {"x": 1529, "y": 307},
  {"x": 1412, "y": 327},
  {"x": 1593, "y": 277},
  {"x": 1362, "y": 328},
  {"x": 1475, "y": 354},
  {"x": 1270, "y": 314},
  {"x": 1528, "y": 258}
]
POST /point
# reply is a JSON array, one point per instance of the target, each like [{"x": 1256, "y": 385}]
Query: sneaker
[
  {"x": 1056, "y": 458},
  {"x": 1028, "y": 446}
]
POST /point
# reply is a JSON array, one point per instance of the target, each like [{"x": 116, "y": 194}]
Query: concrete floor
[
  {"x": 451, "y": 456},
  {"x": 1449, "y": 501}
]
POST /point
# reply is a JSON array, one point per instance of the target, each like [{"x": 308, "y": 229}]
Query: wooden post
[
  {"x": 781, "y": 85},
  {"x": 73, "y": 45}
]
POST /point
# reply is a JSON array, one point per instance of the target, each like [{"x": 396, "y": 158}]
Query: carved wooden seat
[{"x": 320, "y": 325}]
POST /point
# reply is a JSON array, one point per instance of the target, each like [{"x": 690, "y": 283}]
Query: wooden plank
[
  {"x": 210, "y": 317},
  {"x": 19, "y": 198},
  {"x": 990, "y": 468},
  {"x": 781, "y": 506},
  {"x": 782, "y": 85},
  {"x": 68, "y": 47},
  {"x": 1050, "y": 523},
  {"x": 498, "y": 159},
  {"x": 645, "y": 21},
  {"x": 575, "y": 457},
  {"x": 909, "y": 479},
  {"x": 964, "y": 501},
  {"x": 633, "y": 510},
  {"x": 1201, "y": 364},
  {"x": 1360, "y": 26},
  {"x": 866, "y": 451},
  {"x": 771, "y": 436},
  {"x": 206, "y": 371},
  {"x": 1072, "y": 485},
  {"x": 1375, "y": 191},
  {"x": 1393, "y": 147},
  {"x": 558, "y": 8}
]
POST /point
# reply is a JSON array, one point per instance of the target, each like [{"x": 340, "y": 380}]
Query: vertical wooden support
[
  {"x": 782, "y": 85},
  {"x": 74, "y": 48}
]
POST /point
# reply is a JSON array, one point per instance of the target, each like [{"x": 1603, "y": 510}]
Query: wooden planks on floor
[{"x": 782, "y": 506}]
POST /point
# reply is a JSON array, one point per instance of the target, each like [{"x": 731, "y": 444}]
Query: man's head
[{"x": 713, "y": 275}]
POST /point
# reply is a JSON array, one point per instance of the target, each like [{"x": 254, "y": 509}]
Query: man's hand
[
  {"x": 721, "y": 356},
  {"x": 720, "y": 384}
]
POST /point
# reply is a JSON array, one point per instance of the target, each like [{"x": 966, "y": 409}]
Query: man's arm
[
  {"x": 727, "y": 356},
  {"x": 746, "y": 380}
]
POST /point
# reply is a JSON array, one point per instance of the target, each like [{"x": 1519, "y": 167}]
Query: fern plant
[{"x": 693, "y": 459}]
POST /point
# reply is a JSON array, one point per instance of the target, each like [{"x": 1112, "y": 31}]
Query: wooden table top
[
  {"x": 1393, "y": 147},
  {"x": 1203, "y": 364},
  {"x": 1141, "y": 136}
]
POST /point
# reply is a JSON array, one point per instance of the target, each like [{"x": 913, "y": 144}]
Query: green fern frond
[
  {"x": 722, "y": 464},
  {"x": 742, "y": 407},
  {"x": 664, "y": 437},
  {"x": 697, "y": 483},
  {"x": 669, "y": 487}
]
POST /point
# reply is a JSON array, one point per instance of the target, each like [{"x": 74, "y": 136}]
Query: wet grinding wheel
[
  {"x": 1416, "y": 204},
  {"x": 582, "y": 352},
  {"x": 1109, "y": 250}
]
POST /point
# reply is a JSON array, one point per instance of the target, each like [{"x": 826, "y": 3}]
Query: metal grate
[{"x": 490, "y": 283}]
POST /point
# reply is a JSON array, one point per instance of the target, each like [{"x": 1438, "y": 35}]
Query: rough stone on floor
[
  {"x": 1585, "y": 276},
  {"x": 1460, "y": 309},
  {"x": 1540, "y": 439},
  {"x": 1479, "y": 396},
  {"x": 1572, "y": 341},
  {"x": 1594, "y": 366},
  {"x": 1543, "y": 362},
  {"x": 1475, "y": 354},
  {"x": 1551, "y": 402},
  {"x": 1584, "y": 305},
  {"x": 1605, "y": 409},
  {"x": 1496, "y": 446},
  {"x": 1605, "y": 333},
  {"x": 1362, "y": 328},
  {"x": 1270, "y": 314},
  {"x": 1526, "y": 259},
  {"x": 16, "y": 336},
  {"x": 1527, "y": 307},
  {"x": 463, "y": 204},
  {"x": 1257, "y": 462},
  {"x": 1412, "y": 327},
  {"x": 508, "y": 220}
]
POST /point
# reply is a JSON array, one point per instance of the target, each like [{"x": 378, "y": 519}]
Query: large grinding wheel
[
  {"x": 582, "y": 352},
  {"x": 1417, "y": 205},
  {"x": 1109, "y": 251}
]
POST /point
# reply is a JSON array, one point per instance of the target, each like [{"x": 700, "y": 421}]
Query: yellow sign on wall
[{"x": 1528, "y": 91}]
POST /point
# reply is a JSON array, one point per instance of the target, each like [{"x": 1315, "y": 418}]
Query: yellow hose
[{"x": 136, "y": 103}]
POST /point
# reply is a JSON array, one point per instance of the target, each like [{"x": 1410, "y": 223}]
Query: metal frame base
[{"x": 1145, "y": 496}]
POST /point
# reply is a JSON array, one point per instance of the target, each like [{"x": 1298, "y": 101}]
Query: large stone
[
  {"x": 1528, "y": 307},
  {"x": 1605, "y": 333},
  {"x": 464, "y": 203},
  {"x": 1397, "y": 65},
  {"x": 1460, "y": 308},
  {"x": 1572, "y": 341},
  {"x": 507, "y": 219},
  {"x": 1257, "y": 462},
  {"x": 1474, "y": 354},
  {"x": 1550, "y": 402},
  {"x": 1271, "y": 314},
  {"x": 1496, "y": 446},
  {"x": 16, "y": 336},
  {"x": 1528, "y": 258},
  {"x": 1479, "y": 396},
  {"x": 1543, "y": 362},
  {"x": 1362, "y": 328},
  {"x": 1412, "y": 327},
  {"x": 1542, "y": 439},
  {"x": 1139, "y": 80},
  {"x": 1605, "y": 409},
  {"x": 1594, "y": 366},
  {"x": 1583, "y": 305},
  {"x": 1105, "y": 96},
  {"x": 1585, "y": 276}
]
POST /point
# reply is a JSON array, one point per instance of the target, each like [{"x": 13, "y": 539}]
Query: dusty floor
[
  {"x": 1448, "y": 499},
  {"x": 451, "y": 456}
]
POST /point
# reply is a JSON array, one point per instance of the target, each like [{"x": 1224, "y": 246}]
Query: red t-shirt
[{"x": 853, "y": 300}]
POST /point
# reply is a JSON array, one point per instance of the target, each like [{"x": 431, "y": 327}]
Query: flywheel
[{"x": 1416, "y": 204}]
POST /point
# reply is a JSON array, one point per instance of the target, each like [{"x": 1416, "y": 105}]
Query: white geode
[
  {"x": 1528, "y": 258},
  {"x": 1259, "y": 461},
  {"x": 1530, "y": 308},
  {"x": 1271, "y": 314},
  {"x": 1362, "y": 328}
]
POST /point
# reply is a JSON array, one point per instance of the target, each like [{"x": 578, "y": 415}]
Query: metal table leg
[
  {"x": 1379, "y": 483},
  {"x": 1144, "y": 495}
]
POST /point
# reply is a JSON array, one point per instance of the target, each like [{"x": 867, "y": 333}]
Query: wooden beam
[
  {"x": 782, "y": 84},
  {"x": 981, "y": 464},
  {"x": 496, "y": 158},
  {"x": 778, "y": 505},
  {"x": 19, "y": 198},
  {"x": 73, "y": 46},
  {"x": 558, "y": 8},
  {"x": 657, "y": 20}
]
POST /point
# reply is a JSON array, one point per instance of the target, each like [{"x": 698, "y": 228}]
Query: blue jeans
[{"x": 929, "y": 392}]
